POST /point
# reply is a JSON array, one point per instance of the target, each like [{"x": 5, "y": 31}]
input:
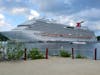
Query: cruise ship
[{"x": 43, "y": 30}]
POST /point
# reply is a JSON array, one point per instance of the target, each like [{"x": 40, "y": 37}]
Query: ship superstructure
[{"x": 49, "y": 31}]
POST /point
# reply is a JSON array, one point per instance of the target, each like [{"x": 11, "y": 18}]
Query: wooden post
[
  {"x": 46, "y": 53},
  {"x": 95, "y": 54},
  {"x": 72, "y": 53},
  {"x": 25, "y": 54}
]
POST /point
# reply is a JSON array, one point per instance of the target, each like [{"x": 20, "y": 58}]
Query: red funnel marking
[{"x": 78, "y": 25}]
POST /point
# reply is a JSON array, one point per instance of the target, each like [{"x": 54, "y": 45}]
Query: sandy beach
[{"x": 51, "y": 66}]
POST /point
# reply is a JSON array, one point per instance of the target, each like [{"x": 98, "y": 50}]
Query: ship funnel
[{"x": 79, "y": 24}]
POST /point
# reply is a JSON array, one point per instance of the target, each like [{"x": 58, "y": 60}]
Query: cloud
[
  {"x": 33, "y": 14},
  {"x": 4, "y": 25},
  {"x": 65, "y": 20},
  {"x": 10, "y": 4},
  {"x": 19, "y": 10},
  {"x": 88, "y": 14},
  {"x": 94, "y": 25},
  {"x": 53, "y": 6},
  {"x": 65, "y": 6},
  {"x": 28, "y": 13},
  {"x": 2, "y": 9},
  {"x": 2, "y": 20},
  {"x": 91, "y": 18},
  {"x": 1, "y": 17}
]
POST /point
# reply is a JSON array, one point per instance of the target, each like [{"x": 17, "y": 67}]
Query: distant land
[
  {"x": 3, "y": 38},
  {"x": 98, "y": 38}
]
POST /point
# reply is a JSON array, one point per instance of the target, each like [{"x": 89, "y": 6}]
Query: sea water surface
[{"x": 54, "y": 48}]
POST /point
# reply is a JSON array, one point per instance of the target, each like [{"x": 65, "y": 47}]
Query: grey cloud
[
  {"x": 53, "y": 6},
  {"x": 12, "y": 4},
  {"x": 65, "y": 6}
]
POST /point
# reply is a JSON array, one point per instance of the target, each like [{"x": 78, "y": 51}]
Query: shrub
[
  {"x": 64, "y": 53},
  {"x": 14, "y": 55},
  {"x": 14, "y": 51},
  {"x": 79, "y": 56},
  {"x": 0, "y": 55},
  {"x": 35, "y": 54},
  {"x": 10, "y": 55},
  {"x": 19, "y": 54}
]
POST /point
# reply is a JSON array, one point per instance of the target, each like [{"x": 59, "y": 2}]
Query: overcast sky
[{"x": 14, "y": 12}]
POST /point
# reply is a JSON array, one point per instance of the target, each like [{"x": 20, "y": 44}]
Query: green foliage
[
  {"x": 35, "y": 54},
  {"x": 0, "y": 45},
  {"x": 10, "y": 55},
  {"x": 64, "y": 53},
  {"x": 19, "y": 54},
  {"x": 98, "y": 38},
  {"x": 1, "y": 51},
  {"x": 0, "y": 55},
  {"x": 14, "y": 51},
  {"x": 3, "y": 38},
  {"x": 79, "y": 56},
  {"x": 15, "y": 54}
]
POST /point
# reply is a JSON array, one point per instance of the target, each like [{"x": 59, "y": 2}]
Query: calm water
[{"x": 84, "y": 49}]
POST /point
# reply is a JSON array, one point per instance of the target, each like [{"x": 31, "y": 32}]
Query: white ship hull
[{"x": 42, "y": 31}]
